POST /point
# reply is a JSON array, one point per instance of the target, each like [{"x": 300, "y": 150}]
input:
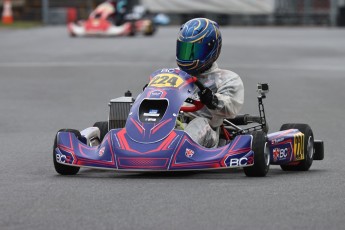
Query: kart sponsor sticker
[
  {"x": 189, "y": 153},
  {"x": 166, "y": 80},
  {"x": 152, "y": 113},
  {"x": 236, "y": 162},
  {"x": 169, "y": 70},
  {"x": 156, "y": 94},
  {"x": 61, "y": 158},
  {"x": 278, "y": 140},
  {"x": 151, "y": 119},
  {"x": 280, "y": 154},
  {"x": 101, "y": 151},
  {"x": 298, "y": 146}
]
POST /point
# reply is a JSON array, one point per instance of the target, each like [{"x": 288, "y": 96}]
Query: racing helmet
[{"x": 198, "y": 45}]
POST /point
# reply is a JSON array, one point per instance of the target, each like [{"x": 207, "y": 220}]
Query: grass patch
[{"x": 21, "y": 25}]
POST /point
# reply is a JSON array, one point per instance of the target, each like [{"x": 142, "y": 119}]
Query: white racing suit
[
  {"x": 104, "y": 11},
  {"x": 228, "y": 88}
]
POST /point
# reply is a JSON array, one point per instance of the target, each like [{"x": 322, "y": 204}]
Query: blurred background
[{"x": 230, "y": 12}]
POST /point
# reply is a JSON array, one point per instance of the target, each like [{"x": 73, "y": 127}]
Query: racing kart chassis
[
  {"x": 141, "y": 135},
  {"x": 105, "y": 28}
]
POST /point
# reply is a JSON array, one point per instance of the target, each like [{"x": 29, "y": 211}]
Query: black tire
[
  {"x": 133, "y": 31},
  {"x": 150, "y": 29},
  {"x": 261, "y": 156},
  {"x": 305, "y": 164},
  {"x": 103, "y": 128},
  {"x": 61, "y": 168}
]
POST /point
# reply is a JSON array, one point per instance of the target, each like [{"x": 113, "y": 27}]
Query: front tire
[
  {"x": 61, "y": 168},
  {"x": 261, "y": 156},
  {"x": 305, "y": 164},
  {"x": 132, "y": 31}
]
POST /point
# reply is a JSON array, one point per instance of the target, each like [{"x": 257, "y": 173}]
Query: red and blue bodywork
[{"x": 150, "y": 142}]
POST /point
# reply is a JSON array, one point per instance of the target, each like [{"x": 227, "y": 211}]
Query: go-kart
[
  {"x": 142, "y": 135},
  {"x": 97, "y": 25}
]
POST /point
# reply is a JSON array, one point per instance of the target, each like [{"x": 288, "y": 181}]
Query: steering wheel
[{"x": 196, "y": 105}]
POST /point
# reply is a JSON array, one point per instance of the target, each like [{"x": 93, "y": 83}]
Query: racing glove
[{"x": 208, "y": 98}]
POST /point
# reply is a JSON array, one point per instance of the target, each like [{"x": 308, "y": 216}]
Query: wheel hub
[
  {"x": 267, "y": 154},
  {"x": 310, "y": 148}
]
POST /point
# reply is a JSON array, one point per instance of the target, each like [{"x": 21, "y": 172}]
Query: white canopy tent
[{"x": 211, "y": 6}]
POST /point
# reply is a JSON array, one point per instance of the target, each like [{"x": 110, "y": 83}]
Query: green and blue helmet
[{"x": 198, "y": 45}]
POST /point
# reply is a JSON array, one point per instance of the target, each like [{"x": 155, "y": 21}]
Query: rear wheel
[
  {"x": 103, "y": 128},
  {"x": 261, "y": 156},
  {"x": 61, "y": 168},
  {"x": 150, "y": 29},
  {"x": 305, "y": 164}
]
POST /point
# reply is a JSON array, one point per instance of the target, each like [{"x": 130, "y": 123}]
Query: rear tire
[
  {"x": 261, "y": 156},
  {"x": 305, "y": 164},
  {"x": 61, "y": 168},
  {"x": 150, "y": 29},
  {"x": 103, "y": 128}
]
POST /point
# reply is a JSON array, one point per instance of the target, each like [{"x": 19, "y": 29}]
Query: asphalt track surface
[{"x": 49, "y": 81}]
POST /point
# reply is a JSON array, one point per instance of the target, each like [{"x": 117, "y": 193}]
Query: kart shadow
[
  {"x": 184, "y": 175},
  {"x": 275, "y": 172},
  {"x": 230, "y": 174}
]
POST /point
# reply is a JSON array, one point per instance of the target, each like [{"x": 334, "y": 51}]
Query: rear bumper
[{"x": 318, "y": 150}]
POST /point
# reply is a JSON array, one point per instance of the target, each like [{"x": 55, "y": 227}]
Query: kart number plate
[
  {"x": 299, "y": 146},
  {"x": 166, "y": 80}
]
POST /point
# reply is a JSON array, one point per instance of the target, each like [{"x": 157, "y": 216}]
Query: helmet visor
[{"x": 188, "y": 51}]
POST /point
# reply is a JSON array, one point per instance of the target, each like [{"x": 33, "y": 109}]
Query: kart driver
[
  {"x": 198, "y": 46},
  {"x": 114, "y": 10}
]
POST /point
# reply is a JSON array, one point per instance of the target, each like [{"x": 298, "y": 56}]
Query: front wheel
[
  {"x": 304, "y": 164},
  {"x": 261, "y": 156},
  {"x": 132, "y": 30},
  {"x": 61, "y": 168}
]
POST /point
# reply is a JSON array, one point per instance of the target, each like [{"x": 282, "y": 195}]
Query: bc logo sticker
[
  {"x": 280, "y": 154},
  {"x": 61, "y": 158},
  {"x": 166, "y": 80}
]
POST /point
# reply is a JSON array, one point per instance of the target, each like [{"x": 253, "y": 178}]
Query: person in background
[{"x": 113, "y": 10}]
